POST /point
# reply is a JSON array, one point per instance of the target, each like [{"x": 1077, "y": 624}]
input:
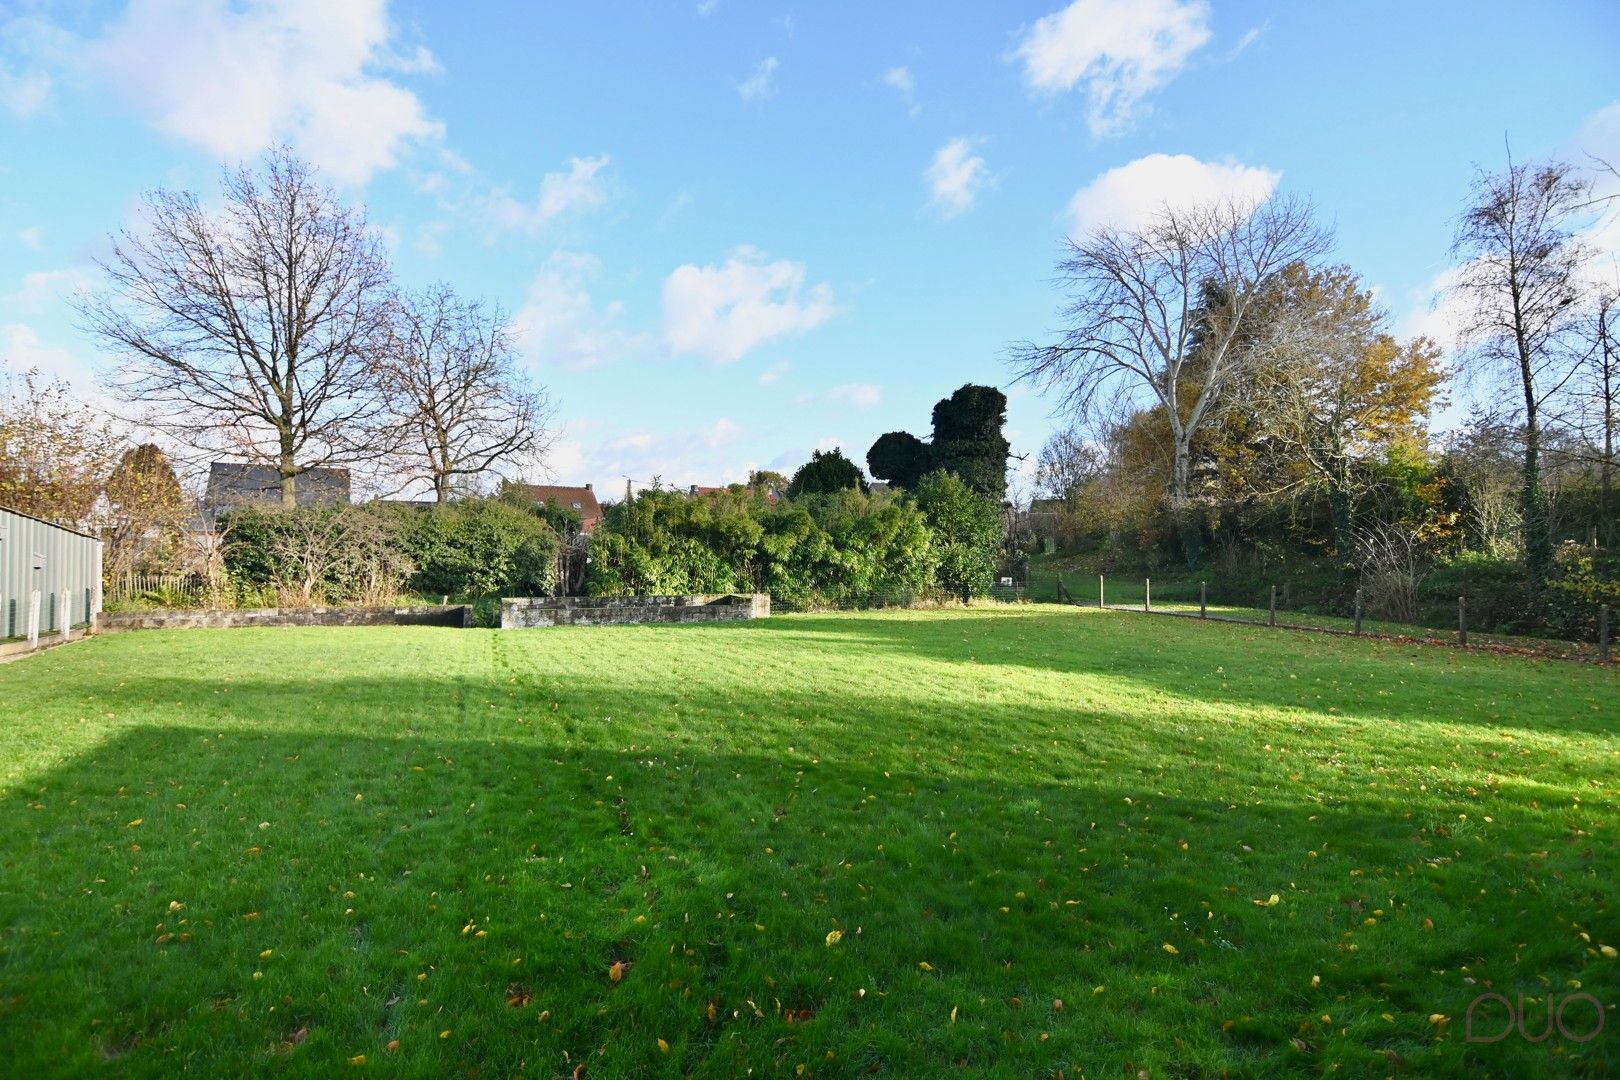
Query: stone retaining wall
[
  {"x": 626, "y": 610},
  {"x": 452, "y": 615}
]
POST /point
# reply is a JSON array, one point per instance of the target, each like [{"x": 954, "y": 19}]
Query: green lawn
[{"x": 1020, "y": 842}]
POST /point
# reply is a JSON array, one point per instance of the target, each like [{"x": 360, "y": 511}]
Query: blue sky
[{"x": 730, "y": 233}]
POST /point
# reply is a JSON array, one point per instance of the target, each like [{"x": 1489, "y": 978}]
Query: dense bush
[
  {"x": 829, "y": 549},
  {"x": 966, "y": 529},
  {"x": 479, "y": 548},
  {"x": 316, "y": 554},
  {"x": 370, "y": 554}
]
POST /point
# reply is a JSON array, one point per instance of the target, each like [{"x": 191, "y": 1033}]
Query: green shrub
[
  {"x": 966, "y": 529},
  {"x": 479, "y": 547}
]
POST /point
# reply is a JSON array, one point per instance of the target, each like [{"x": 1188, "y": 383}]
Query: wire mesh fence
[{"x": 1275, "y": 606}]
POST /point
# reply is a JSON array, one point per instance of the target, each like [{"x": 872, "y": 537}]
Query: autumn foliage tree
[
  {"x": 1165, "y": 312},
  {"x": 1332, "y": 389},
  {"x": 146, "y": 510},
  {"x": 55, "y": 452}
]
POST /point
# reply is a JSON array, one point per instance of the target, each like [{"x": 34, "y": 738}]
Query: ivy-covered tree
[
  {"x": 826, "y": 474},
  {"x": 968, "y": 439},
  {"x": 900, "y": 458}
]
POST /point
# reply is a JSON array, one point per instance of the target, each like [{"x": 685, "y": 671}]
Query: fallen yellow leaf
[
  {"x": 834, "y": 937},
  {"x": 1171, "y": 949}
]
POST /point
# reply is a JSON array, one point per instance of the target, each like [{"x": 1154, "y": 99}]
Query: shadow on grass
[{"x": 233, "y": 897}]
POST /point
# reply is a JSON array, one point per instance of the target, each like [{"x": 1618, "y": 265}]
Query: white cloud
[
  {"x": 1132, "y": 194},
  {"x": 560, "y": 324},
  {"x": 706, "y": 8},
  {"x": 1121, "y": 50},
  {"x": 23, "y": 350},
  {"x": 707, "y": 455},
  {"x": 724, "y": 311},
  {"x": 577, "y": 190},
  {"x": 761, "y": 84},
  {"x": 42, "y": 287},
  {"x": 902, "y": 80},
  {"x": 857, "y": 395},
  {"x": 1250, "y": 36},
  {"x": 773, "y": 373},
  {"x": 24, "y": 93},
  {"x": 33, "y": 237},
  {"x": 955, "y": 177},
  {"x": 904, "y": 83},
  {"x": 237, "y": 78}
]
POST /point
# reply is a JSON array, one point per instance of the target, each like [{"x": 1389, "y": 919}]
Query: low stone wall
[
  {"x": 217, "y": 619},
  {"x": 626, "y": 610}
]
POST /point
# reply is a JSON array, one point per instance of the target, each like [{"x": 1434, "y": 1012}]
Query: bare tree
[
  {"x": 1599, "y": 413},
  {"x": 1521, "y": 278},
  {"x": 1164, "y": 310},
  {"x": 1068, "y": 461},
  {"x": 251, "y": 330},
  {"x": 459, "y": 404}
]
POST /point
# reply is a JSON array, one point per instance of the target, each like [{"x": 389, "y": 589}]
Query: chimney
[{"x": 587, "y": 487}]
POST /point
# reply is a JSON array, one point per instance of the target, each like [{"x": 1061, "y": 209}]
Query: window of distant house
[{"x": 577, "y": 506}]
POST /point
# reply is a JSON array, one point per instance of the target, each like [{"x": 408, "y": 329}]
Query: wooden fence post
[
  {"x": 1203, "y": 599},
  {"x": 1462, "y": 621},
  {"x": 1273, "y": 620},
  {"x": 1102, "y": 598},
  {"x": 1603, "y": 632},
  {"x": 1358, "y": 610},
  {"x": 1147, "y": 594}
]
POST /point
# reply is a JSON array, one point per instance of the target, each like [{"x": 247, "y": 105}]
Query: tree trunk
[
  {"x": 1537, "y": 537},
  {"x": 441, "y": 488},
  {"x": 287, "y": 465},
  {"x": 1606, "y": 467},
  {"x": 1344, "y": 536},
  {"x": 1188, "y": 533}
]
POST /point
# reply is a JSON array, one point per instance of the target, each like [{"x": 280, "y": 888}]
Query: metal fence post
[
  {"x": 1102, "y": 600},
  {"x": 1147, "y": 594},
  {"x": 1358, "y": 610},
  {"x": 1203, "y": 599},
  {"x": 1603, "y": 632},
  {"x": 1273, "y": 619},
  {"x": 1462, "y": 621}
]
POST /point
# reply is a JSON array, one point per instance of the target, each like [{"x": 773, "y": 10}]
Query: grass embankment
[{"x": 1018, "y": 842}]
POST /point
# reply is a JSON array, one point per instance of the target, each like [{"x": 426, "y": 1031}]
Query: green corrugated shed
[{"x": 37, "y": 556}]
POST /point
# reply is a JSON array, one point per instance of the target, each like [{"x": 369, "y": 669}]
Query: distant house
[
  {"x": 698, "y": 491},
  {"x": 581, "y": 500},
  {"x": 233, "y": 484}
]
